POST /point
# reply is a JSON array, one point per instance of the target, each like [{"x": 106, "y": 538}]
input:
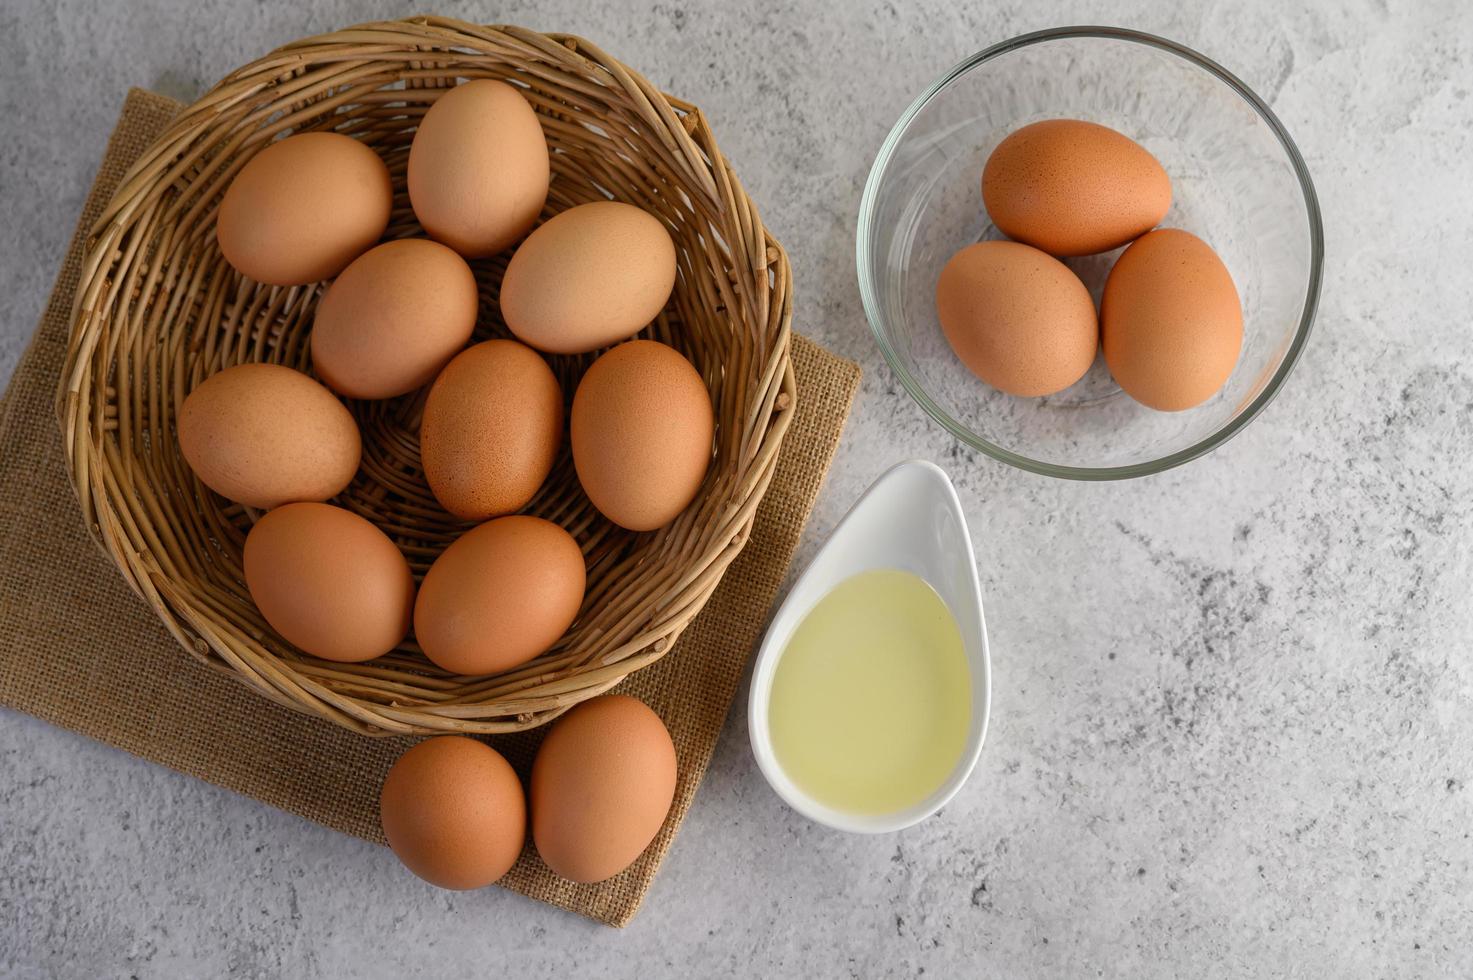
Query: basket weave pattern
[{"x": 158, "y": 310}]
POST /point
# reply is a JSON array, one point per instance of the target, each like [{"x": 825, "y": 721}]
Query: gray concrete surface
[{"x": 1234, "y": 706}]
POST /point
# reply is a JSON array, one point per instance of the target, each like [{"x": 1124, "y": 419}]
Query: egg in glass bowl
[{"x": 1238, "y": 183}]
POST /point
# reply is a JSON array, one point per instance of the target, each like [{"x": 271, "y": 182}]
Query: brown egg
[
  {"x": 329, "y": 582},
  {"x": 588, "y": 277},
  {"x": 602, "y": 784},
  {"x": 1019, "y": 319},
  {"x": 454, "y": 812},
  {"x": 501, "y": 594},
  {"x": 263, "y": 435},
  {"x": 303, "y": 208},
  {"x": 1074, "y": 188},
  {"x": 478, "y": 168},
  {"x": 393, "y": 318},
  {"x": 641, "y": 431},
  {"x": 1171, "y": 323},
  {"x": 491, "y": 429}
]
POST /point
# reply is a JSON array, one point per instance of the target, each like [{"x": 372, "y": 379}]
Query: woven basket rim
[{"x": 128, "y": 258}]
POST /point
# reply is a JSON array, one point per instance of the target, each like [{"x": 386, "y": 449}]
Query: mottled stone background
[{"x": 1234, "y": 703}]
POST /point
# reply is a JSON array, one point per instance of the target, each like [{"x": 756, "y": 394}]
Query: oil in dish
[{"x": 871, "y": 701}]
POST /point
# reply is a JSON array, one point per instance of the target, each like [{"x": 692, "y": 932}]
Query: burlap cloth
[{"x": 80, "y": 650}]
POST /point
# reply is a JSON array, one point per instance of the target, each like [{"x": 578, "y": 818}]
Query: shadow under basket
[{"x": 159, "y": 310}]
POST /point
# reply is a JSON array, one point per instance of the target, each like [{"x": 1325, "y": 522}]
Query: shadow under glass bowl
[{"x": 1238, "y": 182}]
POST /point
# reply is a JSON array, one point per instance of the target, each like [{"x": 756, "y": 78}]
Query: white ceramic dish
[{"x": 909, "y": 519}]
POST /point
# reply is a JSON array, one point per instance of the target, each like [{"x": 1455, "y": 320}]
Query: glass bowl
[{"x": 1238, "y": 182}]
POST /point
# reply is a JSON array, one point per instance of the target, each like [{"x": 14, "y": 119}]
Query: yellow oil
[{"x": 872, "y": 697}]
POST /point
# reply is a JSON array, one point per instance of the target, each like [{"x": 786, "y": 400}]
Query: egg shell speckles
[
  {"x": 478, "y": 168},
  {"x": 454, "y": 812},
  {"x": 1018, "y": 318},
  {"x": 264, "y": 435},
  {"x": 492, "y": 425},
  {"x": 394, "y": 317},
  {"x": 329, "y": 581},
  {"x": 304, "y": 207},
  {"x": 1074, "y": 188},
  {"x": 641, "y": 429},
  {"x": 601, "y": 787},
  {"x": 1171, "y": 321},
  {"x": 502, "y": 593}
]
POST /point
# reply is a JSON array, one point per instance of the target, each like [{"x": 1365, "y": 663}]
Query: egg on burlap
[
  {"x": 453, "y": 811},
  {"x": 602, "y": 784}
]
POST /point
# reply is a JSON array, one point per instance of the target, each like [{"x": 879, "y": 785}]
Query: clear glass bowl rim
[{"x": 1223, "y": 434}]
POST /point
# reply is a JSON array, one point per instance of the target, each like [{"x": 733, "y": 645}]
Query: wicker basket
[{"x": 158, "y": 310}]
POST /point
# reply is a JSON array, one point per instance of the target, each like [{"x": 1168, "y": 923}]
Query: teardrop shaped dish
[{"x": 908, "y": 521}]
